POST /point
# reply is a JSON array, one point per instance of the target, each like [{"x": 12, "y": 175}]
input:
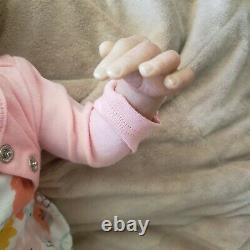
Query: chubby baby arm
[{"x": 97, "y": 134}]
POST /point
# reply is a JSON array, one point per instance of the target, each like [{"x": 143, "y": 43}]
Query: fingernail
[
  {"x": 146, "y": 69},
  {"x": 114, "y": 72},
  {"x": 170, "y": 83},
  {"x": 100, "y": 73}
]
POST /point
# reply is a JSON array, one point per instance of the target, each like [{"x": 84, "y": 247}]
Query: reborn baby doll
[{"x": 37, "y": 114}]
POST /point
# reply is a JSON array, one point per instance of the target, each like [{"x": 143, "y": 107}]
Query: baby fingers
[
  {"x": 114, "y": 51},
  {"x": 163, "y": 64},
  {"x": 105, "y": 47},
  {"x": 179, "y": 79},
  {"x": 130, "y": 61}
]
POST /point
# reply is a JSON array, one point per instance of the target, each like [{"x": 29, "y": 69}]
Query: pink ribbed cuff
[{"x": 126, "y": 121}]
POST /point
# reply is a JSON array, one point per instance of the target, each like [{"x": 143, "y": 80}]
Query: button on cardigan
[{"x": 36, "y": 114}]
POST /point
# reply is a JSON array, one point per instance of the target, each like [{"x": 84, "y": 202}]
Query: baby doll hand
[{"x": 144, "y": 69}]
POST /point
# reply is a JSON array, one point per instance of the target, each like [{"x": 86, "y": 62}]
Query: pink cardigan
[{"x": 37, "y": 114}]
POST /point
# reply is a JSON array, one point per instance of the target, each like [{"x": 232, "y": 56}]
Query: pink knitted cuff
[{"x": 126, "y": 121}]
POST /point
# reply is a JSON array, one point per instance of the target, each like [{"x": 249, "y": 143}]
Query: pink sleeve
[{"x": 97, "y": 134}]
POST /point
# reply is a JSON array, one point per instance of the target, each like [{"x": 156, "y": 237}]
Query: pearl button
[
  {"x": 6, "y": 153},
  {"x": 33, "y": 163},
  {"x": 39, "y": 198}
]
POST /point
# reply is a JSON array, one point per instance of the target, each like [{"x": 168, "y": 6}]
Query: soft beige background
[{"x": 191, "y": 179}]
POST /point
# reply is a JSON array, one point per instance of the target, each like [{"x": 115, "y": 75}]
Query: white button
[
  {"x": 6, "y": 153},
  {"x": 46, "y": 203},
  {"x": 39, "y": 198}
]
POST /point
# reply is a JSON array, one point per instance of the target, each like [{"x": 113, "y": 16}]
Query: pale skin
[{"x": 137, "y": 58}]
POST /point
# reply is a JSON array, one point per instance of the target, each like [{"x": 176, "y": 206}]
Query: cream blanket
[{"x": 192, "y": 178}]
